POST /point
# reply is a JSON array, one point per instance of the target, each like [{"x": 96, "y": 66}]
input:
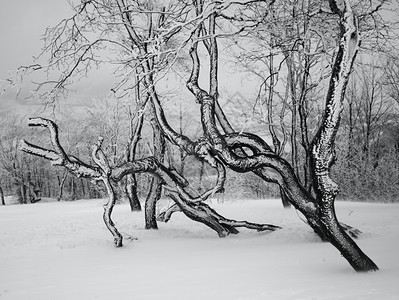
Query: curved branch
[
  {"x": 200, "y": 211},
  {"x": 194, "y": 208},
  {"x": 214, "y": 84},
  {"x": 257, "y": 146},
  {"x": 53, "y": 129},
  {"x": 174, "y": 183},
  {"x": 180, "y": 140},
  {"x": 58, "y": 157},
  {"x": 100, "y": 159}
]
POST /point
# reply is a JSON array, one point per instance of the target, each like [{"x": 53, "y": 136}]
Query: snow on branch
[
  {"x": 174, "y": 184},
  {"x": 57, "y": 156}
]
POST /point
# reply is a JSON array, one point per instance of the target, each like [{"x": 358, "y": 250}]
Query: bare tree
[
  {"x": 19, "y": 168},
  {"x": 61, "y": 184},
  {"x": 391, "y": 78},
  {"x": 323, "y": 218},
  {"x": 368, "y": 135},
  {"x": 174, "y": 184},
  {"x": 147, "y": 34}
]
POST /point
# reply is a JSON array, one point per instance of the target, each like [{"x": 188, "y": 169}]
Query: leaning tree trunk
[
  {"x": 320, "y": 212},
  {"x": 323, "y": 144}
]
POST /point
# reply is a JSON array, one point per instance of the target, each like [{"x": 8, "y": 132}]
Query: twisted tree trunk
[
  {"x": 319, "y": 212},
  {"x": 174, "y": 183}
]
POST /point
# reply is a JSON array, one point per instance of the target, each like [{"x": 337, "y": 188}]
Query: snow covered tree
[{"x": 149, "y": 38}]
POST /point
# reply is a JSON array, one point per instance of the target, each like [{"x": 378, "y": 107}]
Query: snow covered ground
[{"x": 62, "y": 250}]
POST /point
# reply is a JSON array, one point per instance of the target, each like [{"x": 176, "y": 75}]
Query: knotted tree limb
[
  {"x": 240, "y": 140},
  {"x": 263, "y": 162},
  {"x": 265, "y": 159},
  {"x": 319, "y": 212},
  {"x": 219, "y": 187},
  {"x": 235, "y": 141},
  {"x": 192, "y": 207},
  {"x": 203, "y": 151}
]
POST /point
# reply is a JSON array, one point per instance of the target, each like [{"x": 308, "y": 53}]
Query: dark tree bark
[
  {"x": 2, "y": 196},
  {"x": 136, "y": 126},
  {"x": 61, "y": 183},
  {"x": 21, "y": 192},
  {"x": 183, "y": 155},
  {"x": 131, "y": 192},
  {"x": 201, "y": 176},
  {"x": 154, "y": 194},
  {"x": 323, "y": 144},
  {"x": 156, "y": 184},
  {"x": 303, "y": 115},
  {"x": 278, "y": 146},
  {"x": 294, "y": 107},
  {"x": 72, "y": 189}
]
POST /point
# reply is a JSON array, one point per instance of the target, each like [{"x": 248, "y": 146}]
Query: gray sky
[{"x": 22, "y": 22}]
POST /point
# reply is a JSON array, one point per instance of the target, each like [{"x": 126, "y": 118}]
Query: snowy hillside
[{"x": 63, "y": 251}]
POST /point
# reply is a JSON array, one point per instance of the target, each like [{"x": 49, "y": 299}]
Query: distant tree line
[{"x": 367, "y": 164}]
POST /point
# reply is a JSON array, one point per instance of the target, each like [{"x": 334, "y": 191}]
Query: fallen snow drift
[{"x": 62, "y": 250}]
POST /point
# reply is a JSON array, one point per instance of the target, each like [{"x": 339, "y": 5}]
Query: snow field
[{"x": 62, "y": 250}]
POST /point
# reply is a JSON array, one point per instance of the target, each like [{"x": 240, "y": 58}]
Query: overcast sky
[{"x": 22, "y": 22}]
